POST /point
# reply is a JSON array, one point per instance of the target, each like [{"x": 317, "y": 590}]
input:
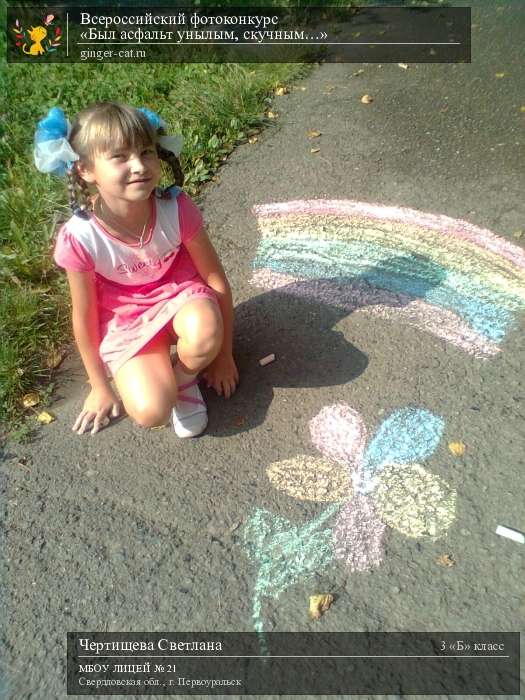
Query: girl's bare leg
[
  {"x": 199, "y": 328},
  {"x": 147, "y": 385}
]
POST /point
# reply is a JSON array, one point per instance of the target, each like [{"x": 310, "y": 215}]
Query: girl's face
[{"x": 124, "y": 173}]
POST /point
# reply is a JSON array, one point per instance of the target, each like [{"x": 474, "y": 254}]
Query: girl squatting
[{"x": 142, "y": 272}]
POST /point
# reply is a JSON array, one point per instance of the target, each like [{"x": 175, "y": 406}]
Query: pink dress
[{"x": 139, "y": 290}]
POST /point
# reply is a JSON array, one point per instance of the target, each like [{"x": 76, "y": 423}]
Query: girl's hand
[
  {"x": 100, "y": 402},
  {"x": 222, "y": 374}
]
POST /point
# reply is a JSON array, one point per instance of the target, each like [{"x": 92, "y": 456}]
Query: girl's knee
[
  {"x": 201, "y": 328},
  {"x": 150, "y": 416}
]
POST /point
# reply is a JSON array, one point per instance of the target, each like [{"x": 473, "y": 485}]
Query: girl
[{"x": 141, "y": 270}]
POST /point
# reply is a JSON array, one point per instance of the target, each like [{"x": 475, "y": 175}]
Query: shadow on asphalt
[{"x": 299, "y": 330}]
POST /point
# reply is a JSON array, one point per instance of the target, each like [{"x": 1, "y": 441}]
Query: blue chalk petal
[{"x": 408, "y": 435}]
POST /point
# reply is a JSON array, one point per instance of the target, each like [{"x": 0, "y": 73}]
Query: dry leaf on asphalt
[
  {"x": 315, "y": 150},
  {"x": 457, "y": 448},
  {"x": 517, "y": 234},
  {"x": 272, "y": 115},
  {"x": 445, "y": 560},
  {"x": 30, "y": 400},
  {"x": 313, "y": 134},
  {"x": 253, "y": 139},
  {"x": 319, "y": 604},
  {"x": 45, "y": 418},
  {"x": 367, "y": 99},
  {"x": 283, "y": 90},
  {"x": 500, "y": 75},
  {"x": 358, "y": 72},
  {"x": 404, "y": 66}
]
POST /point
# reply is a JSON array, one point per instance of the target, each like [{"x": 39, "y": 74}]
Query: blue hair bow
[
  {"x": 53, "y": 152},
  {"x": 170, "y": 143},
  {"x": 153, "y": 118}
]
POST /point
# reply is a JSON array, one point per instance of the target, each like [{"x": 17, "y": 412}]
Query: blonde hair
[{"x": 104, "y": 126}]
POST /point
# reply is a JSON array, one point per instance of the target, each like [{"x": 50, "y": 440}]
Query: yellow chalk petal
[
  {"x": 414, "y": 501},
  {"x": 311, "y": 479},
  {"x": 457, "y": 448}
]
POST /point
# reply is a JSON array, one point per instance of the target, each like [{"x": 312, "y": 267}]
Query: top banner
[{"x": 73, "y": 34}]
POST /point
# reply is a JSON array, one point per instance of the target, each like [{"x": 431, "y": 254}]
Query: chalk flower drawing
[{"x": 371, "y": 487}]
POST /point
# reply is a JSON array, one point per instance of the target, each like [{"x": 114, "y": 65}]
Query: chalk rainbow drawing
[
  {"x": 369, "y": 487},
  {"x": 446, "y": 276},
  {"x": 463, "y": 284}
]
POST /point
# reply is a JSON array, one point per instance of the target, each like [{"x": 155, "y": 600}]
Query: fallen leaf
[
  {"x": 54, "y": 358},
  {"x": 282, "y": 90},
  {"x": 517, "y": 234},
  {"x": 240, "y": 420},
  {"x": 445, "y": 560},
  {"x": 253, "y": 139},
  {"x": 500, "y": 75},
  {"x": 272, "y": 115},
  {"x": 303, "y": 89},
  {"x": 367, "y": 99},
  {"x": 457, "y": 448},
  {"x": 30, "y": 400},
  {"x": 358, "y": 72},
  {"x": 404, "y": 66},
  {"x": 522, "y": 109},
  {"x": 45, "y": 418},
  {"x": 315, "y": 150},
  {"x": 313, "y": 134},
  {"x": 356, "y": 34},
  {"x": 319, "y": 604}
]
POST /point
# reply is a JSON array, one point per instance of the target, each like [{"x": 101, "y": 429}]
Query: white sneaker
[{"x": 190, "y": 416}]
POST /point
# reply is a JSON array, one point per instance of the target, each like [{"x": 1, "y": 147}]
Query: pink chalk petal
[
  {"x": 358, "y": 535},
  {"x": 339, "y": 432}
]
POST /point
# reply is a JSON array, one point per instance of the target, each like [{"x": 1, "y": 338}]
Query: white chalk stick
[
  {"x": 266, "y": 360},
  {"x": 511, "y": 534}
]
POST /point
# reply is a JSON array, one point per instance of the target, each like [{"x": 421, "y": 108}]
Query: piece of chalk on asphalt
[
  {"x": 266, "y": 360},
  {"x": 511, "y": 534}
]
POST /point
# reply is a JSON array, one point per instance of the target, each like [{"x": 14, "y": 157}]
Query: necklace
[{"x": 120, "y": 226}]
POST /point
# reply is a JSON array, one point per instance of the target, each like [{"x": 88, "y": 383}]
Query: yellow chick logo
[{"x": 42, "y": 39}]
